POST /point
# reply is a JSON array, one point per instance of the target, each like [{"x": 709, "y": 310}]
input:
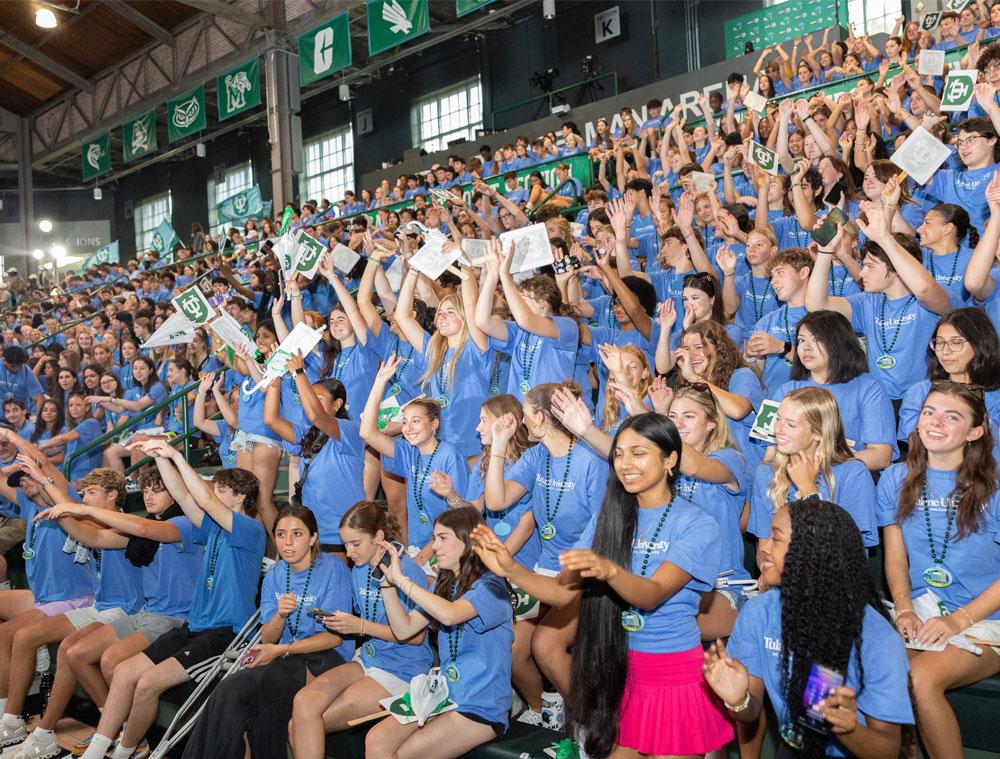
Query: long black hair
[
  {"x": 977, "y": 328},
  {"x": 315, "y": 439},
  {"x": 834, "y": 332},
  {"x": 600, "y": 652},
  {"x": 819, "y": 627}
]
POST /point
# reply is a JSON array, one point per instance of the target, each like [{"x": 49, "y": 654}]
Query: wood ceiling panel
[
  {"x": 95, "y": 41},
  {"x": 166, "y": 13}
]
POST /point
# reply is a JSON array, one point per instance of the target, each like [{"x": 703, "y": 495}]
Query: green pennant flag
[
  {"x": 139, "y": 136},
  {"x": 465, "y": 7},
  {"x": 186, "y": 114},
  {"x": 95, "y": 156},
  {"x": 238, "y": 89},
  {"x": 164, "y": 239},
  {"x": 393, "y": 22},
  {"x": 325, "y": 50},
  {"x": 106, "y": 254},
  {"x": 242, "y": 205}
]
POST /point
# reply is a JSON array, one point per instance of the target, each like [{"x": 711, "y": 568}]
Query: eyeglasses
[
  {"x": 954, "y": 345},
  {"x": 965, "y": 140}
]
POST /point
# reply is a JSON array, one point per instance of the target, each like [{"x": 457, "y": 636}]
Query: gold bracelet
[
  {"x": 742, "y": 706},
  {"x": 967, "y": 615}
]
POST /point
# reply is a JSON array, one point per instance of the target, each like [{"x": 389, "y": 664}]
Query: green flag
[
  {"x": 464, "y": 7},
  {"x": 164, "y": 239},
  {"x": 186, "y": 114},
  {"x": 238, "y": 89},
  {"x": 393, "y": 22},
  {"x": 107, "y": 254},
  {"x": 194, "y": 305},
  {"x": 95, "y": 156},
  {"x": 325, "y": 50},
  {"x": 139, "y": 136},
  {"x": 242, "y": 205}
]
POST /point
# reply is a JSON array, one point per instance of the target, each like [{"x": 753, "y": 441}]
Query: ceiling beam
[
  {"x": 140, "y": 20},
  {"x": 33, "y": 55},
  {"x": 230, "y": 12}
]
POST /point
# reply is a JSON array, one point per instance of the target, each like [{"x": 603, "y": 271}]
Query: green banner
[
  {"x": 95, "y": 156},
  {"x": 238, "y": 89},
  {"x": 186, "y": 114},
  {"x": 108, "y": 254},
  {"x": 164, "y": 239},
  {"x": 781, "y": 22},
  {"x": 464, "y": 7},
  {"x": 581, "y": 168},
  {"x": 139, "y": 136},
  {"x": 243, "y": 205},
  {"x": 393, "y": 22},
  {"x": 325, "y": 50}
]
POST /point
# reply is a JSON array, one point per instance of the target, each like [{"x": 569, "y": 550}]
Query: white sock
[
  {"x": 12, "y": 720},
  {"x": 42, "y": 733},
  {"x": 3, "y": 705},
  {"x": 98, "y": 747},
  {"x": 121, "y": 752}
]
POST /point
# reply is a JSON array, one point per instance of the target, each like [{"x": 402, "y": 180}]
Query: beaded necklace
[
  {"x": 293, "y": 622},
  {"x": 632, "y": 619},
  {"x": 420, "y": 479},
  {"x": 548, "y": 530}
]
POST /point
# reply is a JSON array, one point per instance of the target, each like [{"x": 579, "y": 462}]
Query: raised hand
[
  {"x": 661, "y": 396},
  {"x": 441, "y": 484},
  {"x": 503, "y": 430},
  {"x": 572, "y": 412},
  {"x": 993, "y": 194},
  {"x": 725, "y": 675},
  {"x": 588, "y": 564},
  {"x": 491, "y": 551},
  {"x": 667, "y": 314},
  {"x": 387, "y": 369}
]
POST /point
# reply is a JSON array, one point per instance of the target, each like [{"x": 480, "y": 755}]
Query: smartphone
[
  {"x": 318, "y": 614},
  {"x": 826, "y": 231},
  {"x": 822, "y": 680},
  {"x": 378, "y": 573}
]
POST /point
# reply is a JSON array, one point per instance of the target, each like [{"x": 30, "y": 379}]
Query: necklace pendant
[
  {"x": 28, "y": 554},
  {"x": 423, "y": 518},
  {"x": 370, "y": 650},
  {"x": 209, "y": 582},
  {"x": 885, "y": 361},
  {"x": 451, "y": 672},
  {"x": 633, "y": 621},
  {"x": 394, "y": 390},
  {"x": 442, "y": 401},
  {"x": 938, "y": 577},
  {"x": 502, "y": 529},
  {"x": 548, "y": 531},
  {"x": 524, "y": 386}
]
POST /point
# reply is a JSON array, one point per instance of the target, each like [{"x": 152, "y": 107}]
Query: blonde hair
[
  {"x": 437, "y": 346},
  {"x": 612, "y": 406},
  {"x": 720, "y": 437},
  {"x": 820, "y": 412}
]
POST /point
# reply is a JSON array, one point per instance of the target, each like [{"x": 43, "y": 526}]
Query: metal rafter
[
  {"x": 27, "y": 51},
  {"x": 231, "y": 12},
  {"x": 141, "y": 20}
]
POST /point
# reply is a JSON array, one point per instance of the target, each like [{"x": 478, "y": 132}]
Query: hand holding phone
[
  {"x": 820, "y": 685},
  {"x": 825, "y": 232}
]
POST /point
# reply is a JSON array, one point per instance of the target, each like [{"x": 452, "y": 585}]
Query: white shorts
[
  {"x": 147, "y": 623},
  {"x": 245, "y": 441},
  {"x": 80, "y": 618},
  {"x": 394, "y": 685}
]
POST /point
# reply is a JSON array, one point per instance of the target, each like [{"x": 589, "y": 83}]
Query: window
[
  {"x": 148, "y": 214},
  {"x": 237, "y": 179},
  {"x": 329, "y": 166},
  {"x": 868, "y": 16},
  {"x": 447, "y": 115}
]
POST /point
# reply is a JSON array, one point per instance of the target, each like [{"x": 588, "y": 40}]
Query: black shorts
[
  {"x": 190, "y": 648},
  {"x": 498, "y": 727}
]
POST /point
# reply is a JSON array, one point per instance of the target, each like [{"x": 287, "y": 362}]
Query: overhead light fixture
[
  {"x": 45, "y": 225},
  {"x": 38, "y": 254},
  {"x": 45, "y": 18},
  {"x": 98, "y": 195},
  {"x": 199, "y": 150},
  {"x": 58, "y": 252},
  {"x": 548, "y": 9}
]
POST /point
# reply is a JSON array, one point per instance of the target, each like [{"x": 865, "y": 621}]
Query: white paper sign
[
  {"x": 576, "y": 229},
  {"x": 433, "y": 258},
  {"x": 285, "y": 251},
  {"x": 302, "y": 339},
  {"x": 344, "y": 259},
  {"x": 531, "y": 248},
  {"x": 921, "y": 155},
  {"x": 175, "y": 329},
  {"x": 308, "y": 254},
  {"x": 755, "y": 102},
  {"x": 703, "y": 181},
  {"x": 931, "y": 63},
  {"x": 228, "y": 330},
  {"x": 473, "y": 250},
  {"x": 763, "y": 425},
  {"x": 959, "y": 90},
  {"x": 395, "y": 274}
]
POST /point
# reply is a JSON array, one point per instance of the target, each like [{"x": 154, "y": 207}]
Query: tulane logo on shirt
[
  {"x": 773, "y": 645},
  {"x": 642, "y": 544},
  {"x": 303, "y": 601},
  {"x": 554, "y": 484},
  {"x": 895, "y": 320}
]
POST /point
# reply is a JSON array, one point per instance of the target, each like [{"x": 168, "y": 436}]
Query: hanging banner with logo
[
  {"x": 464, "y": 7},
  {"x": 325, "y": 50},
  {"x": 164, "y": 239},
  {"x": 393, "y": 22},
  {"x": 195, "y": 307},
  {"x": 139, "y": 136},
  {"x": 186, "y": 114},
  {"x": 108, "y": 254},
  {"x": 242, "y": 205},
  {"x": 95, "y": 156},
  {"x": 238, "y": 89}
]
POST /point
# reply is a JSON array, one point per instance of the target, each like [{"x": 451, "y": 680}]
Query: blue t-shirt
[
  {"x": 88, "y": 431},
  {"x": 117, "y": 580},
  {"x": 865, "y": 410},
  {"x": 757, "y": 299},
  {"x": 480, "y": 649},
  {"x": 688, "y": 539},
  {"x": 407, "y": 377},
  {"x": 423, "y": 506},
  {"x": 948, "y": 269},
  {"x": 853, "y": 490},
  {"x": 22, "y": 385},
  {"x": 900, "y": 328},
  {"x": 504, "y": 522},
  {"x": 746, "y": 383},
  {"x": 335, "y": 479},
  {"x": 536, "y": 359},
  {"x": 404, "y": 660},
  {"x": 566, "y": 491},
  {"x": 250, "y": 415},
  {"x": 355, "y": 366},
  {"x": 227, "y": 456},
  {"x": 232, "y": 568},
  {"x": 756, "y": 642},
  {"x": 966, "y": 188},
  {"x": 168, "y": 581},
  {"x": 324, "y": 585},
  {"x": 52, "y": 573},
  {"x": 973, "y": 561},
  {"x": 781, "y": 324}
]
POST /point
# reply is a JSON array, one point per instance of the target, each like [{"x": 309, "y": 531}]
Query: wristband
[
  {"x": 371, "y": 260},
  {"x": 295, "y": 297},
  {"x": 786, "y": 348},
  {"x": 297, "y": 372},
  {"x": 742, "y": 706},
  {"x": 907, "y": 611},
  {"x": 967, "y": 615}
]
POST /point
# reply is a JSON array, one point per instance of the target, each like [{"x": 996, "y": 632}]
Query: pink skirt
[{"x": 668, "y": 708}]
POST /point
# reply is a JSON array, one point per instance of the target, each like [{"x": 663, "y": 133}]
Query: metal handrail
[
  {"x": 547, "y": 198},
  {"x": 549, "y": 95},
  {"x": 134, "y": 420},
  {"x": 173, "y": 441}
]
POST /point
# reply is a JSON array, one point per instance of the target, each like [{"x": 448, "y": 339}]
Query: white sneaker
[
  {"x": 553, "y": 709},
  {"x": 530, "y": 717},
  {"x": 11, "y": 736},
  {"x": 36, "y": 747}
]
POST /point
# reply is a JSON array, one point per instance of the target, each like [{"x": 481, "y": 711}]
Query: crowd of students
[{"x": 558, "y": 515}]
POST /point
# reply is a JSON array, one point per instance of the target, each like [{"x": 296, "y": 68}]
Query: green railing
[
  {"x": 63, "y": 328},
  {"x": 182, "y": 393},
  {"x": 547, "y": 198},
  {"x": 613, "y": 75},
  {"x": 174, "y": 442}
]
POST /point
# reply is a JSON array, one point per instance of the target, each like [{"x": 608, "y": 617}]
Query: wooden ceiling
[{"x": 84, "y": 42}]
